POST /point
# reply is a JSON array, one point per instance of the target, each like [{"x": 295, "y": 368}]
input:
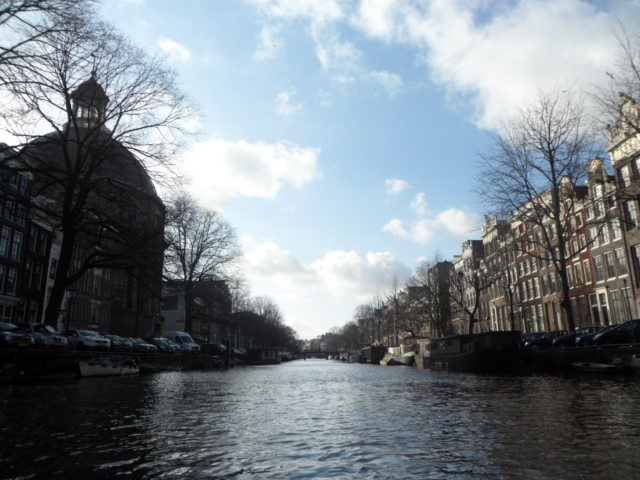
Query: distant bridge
[{"x": 318, "y": 354}]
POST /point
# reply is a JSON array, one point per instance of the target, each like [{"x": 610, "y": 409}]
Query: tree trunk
[{"x": 60, "y": 282}]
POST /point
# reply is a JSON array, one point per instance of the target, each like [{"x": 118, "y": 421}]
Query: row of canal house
[{"x": 603, "y": 254}]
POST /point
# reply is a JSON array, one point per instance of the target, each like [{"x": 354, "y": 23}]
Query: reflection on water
[{"x": 322, "y": 419}]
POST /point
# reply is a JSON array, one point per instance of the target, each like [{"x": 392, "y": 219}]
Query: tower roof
[{"x": 90, "y": 92}]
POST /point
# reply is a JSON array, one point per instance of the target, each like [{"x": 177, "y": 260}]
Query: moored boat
[
  {"x": 596, "y": 367},
  {"x": 108, "y": 366},
  {"x": 471, "y": 352}
]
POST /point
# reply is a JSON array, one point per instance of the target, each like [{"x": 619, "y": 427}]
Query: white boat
[
  {"x": 108, "y": 366},
  {"x": 596, "y": 367},
  {"x": 395, "y": 359},
  {"x": 406, "y": 358}
]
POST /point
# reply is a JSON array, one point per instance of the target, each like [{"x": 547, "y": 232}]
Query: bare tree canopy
[
  {"x": 200, "y": 245},
  {"x": 531, "y": 172},
  {"x": 23, "y": 21},
  {"x": 94, "y": 121}
]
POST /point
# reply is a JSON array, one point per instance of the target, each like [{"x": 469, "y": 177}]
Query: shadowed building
[{"x": 118, "y": 244}]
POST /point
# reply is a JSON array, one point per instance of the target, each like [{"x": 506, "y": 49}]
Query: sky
[{"x": 341, "y": 137}]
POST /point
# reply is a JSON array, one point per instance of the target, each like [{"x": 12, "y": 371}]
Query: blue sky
[{"x": 340, "y": 137}]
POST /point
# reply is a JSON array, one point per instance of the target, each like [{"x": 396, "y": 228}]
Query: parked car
[
  {"x": 184, "y": 341},
  {"x": 164, "y": 345},
  {"x": 628, "y": 332},
  {"x": 214, "y": 349},
  {"x": 569, "y": 340},
  {"x": 87, "y": 340},
  {"x": 545, "y": 340},
  {"x": 119, "y": 344},
  {"x": 11, "y": 336},
  {"x": 139, "y": 345},
  {"x": 44, "y": 336},
  {"x": 527, "y": 337}
]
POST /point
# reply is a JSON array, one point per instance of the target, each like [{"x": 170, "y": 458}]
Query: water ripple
[{"x": 320, "y": 419}]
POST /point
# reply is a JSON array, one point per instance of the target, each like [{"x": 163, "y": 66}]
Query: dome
[{"x": 118, "y": 162}]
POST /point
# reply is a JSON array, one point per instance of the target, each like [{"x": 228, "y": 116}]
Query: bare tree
[
  {"x": 24, "y": 21},
  {"x": 201, "y": 245},
  {"x": 431, "y": 282},
  {"x": 94, "y": 119},
  {"x": 533, "y": 166},
  {"x": 465, "y": 293}
]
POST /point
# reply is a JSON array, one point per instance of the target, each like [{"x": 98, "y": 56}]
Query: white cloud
[
  {"x": 269, "y": 42},
  {"x": 286, "y": 106},
  {"x": 322, "y": 293},
  {"x": 419, "y": 205},
  {"x": 175, "y": 51},
  {"x": 221, "y": 170},
  {"x": 394, "y": 186},
  {"x": 498, "y": 56},
  {"x": 491, "y": 55},
  {"x": 459, "y": 222},
  {"x": 420, "y": 231},
  {"x": 391, "y": 82}
]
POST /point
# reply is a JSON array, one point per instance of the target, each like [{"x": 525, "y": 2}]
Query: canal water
[{"x": 323, "y": 419}]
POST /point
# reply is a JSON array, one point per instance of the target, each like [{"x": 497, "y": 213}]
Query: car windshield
[
  {"x": 185, "y": 338},
  {"x": 8, "y": 327},
  {"x": 88, "y": 333}
]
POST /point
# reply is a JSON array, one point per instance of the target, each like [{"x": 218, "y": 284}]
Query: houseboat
[
  {"x": 472, "y": 352},
  {"x": 373, "y": 354},
  {"x": 261, "y": 356}
]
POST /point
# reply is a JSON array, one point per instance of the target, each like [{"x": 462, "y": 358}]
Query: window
[
  {"x": 24, "y": 186},
  {"x": 5, "y": 236},
  {"x": 630, "y": 215},
  {"x": 605, "y": 234},
  {"x": 16, "y": 247},
  {"x": 593, "y": 301},
  {"x": 625, "y": 176},
  {"x": 570, "y": 276},
  {"x": 13, "y": 181},
  {"x": 599, "y": 268},
  {"x": 616, "y": 231},
  {"x": 21, "y": 214},
  {"x": 31, "y": 242},
  {"x": 635, "y": 261},
  {"x": 578, "y": 269},
  {"x": 12, "y": 277},
  {"x": 593, "y": 236},
  {"x": 579, "y": 220},
  {"x": 590, "y": 213},
  {"x": 600, "y": 210},
  {"x": 587, "y": 271},
  {"x": 610, "y": 262},
  {"x": 622, "y": 261},
  {"x": 1, "y": 278},
  {"x": 545, "y": 286},
  {"x": 583, "y": 241},
  {"x": 37, "y": 276},
  {"x": 576, "y": 248},
  {"x": 554, "y": 231},
  {"x": 597, "y": 190},
  {"x": 28, "y": 273},
  {"x": 43, "y": 239},
  {"x": 9, "y": 209}
]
